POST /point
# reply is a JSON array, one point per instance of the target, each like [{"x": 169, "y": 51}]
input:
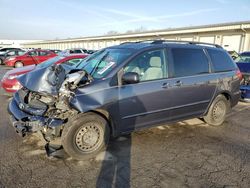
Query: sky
[{"x": 61, "y": 19}]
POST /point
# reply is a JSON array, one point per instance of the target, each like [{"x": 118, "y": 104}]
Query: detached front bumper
[{"x": 25, "y": 123}]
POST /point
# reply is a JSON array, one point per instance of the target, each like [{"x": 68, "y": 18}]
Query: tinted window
[
  {"x": 77, "y": 51},
  {"x": 150, "y": 65},
  {"x": 43, "y": 53},
  {"x": 189, "y": 62},
  {"x": 33, "y": 53},
  {"x": 221, "y": 60}
]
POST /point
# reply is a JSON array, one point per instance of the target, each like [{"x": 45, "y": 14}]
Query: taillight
[{"x": 238, "y": 74}]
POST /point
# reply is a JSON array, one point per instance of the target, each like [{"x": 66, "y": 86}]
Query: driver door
[{"x": 145, "y": 103}]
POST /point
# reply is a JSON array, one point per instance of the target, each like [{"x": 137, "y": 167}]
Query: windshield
[
  {"x": 102, "y": 62},
  {"x": 242, "y": 59},
  {"x": 50, "y": 62}
]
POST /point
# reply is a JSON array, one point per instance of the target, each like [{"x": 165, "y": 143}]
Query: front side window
[
  {"x": 188, "y": 62},
  {"x": 150, "y": 65},
  {"x": 221, "y": 61},
  {"x": 20, "y": 52},
  {"x": 99, "y": 64},
  {"x": 33, "y": 53}
]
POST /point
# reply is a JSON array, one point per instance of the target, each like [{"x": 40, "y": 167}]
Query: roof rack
[{"x": 179, "y": 41}]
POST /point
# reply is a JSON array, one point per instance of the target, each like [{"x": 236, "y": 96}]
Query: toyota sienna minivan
[{"x": 124, "y": 88}]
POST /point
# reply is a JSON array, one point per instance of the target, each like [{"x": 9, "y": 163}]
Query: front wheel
[
  {"x": 85, "y": 135},
  {"x": 217, "y": 111}
]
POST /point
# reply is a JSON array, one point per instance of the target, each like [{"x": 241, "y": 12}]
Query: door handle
[
  {"x": 165, "y": 85},
  {"x": 178, "y": 83}
]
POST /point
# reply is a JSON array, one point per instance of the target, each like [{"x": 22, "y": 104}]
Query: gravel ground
[{"x": 185, "y": 154}]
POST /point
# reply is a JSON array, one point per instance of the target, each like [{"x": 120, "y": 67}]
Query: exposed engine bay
[{"x": 44, "y": 99}]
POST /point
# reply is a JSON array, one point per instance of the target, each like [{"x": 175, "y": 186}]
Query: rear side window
[
  {"x": 77, "y": 51},
  {"x": 44, "y": 53},
  {"x": 33, "y": 53},
  {"x": 189, "y": 62},
  {"x": 221, "y": 61}
]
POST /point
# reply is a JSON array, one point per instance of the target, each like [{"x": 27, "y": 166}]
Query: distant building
[
  {"x": 14, "y": 43},
  {"x": 231, "y": 36}
]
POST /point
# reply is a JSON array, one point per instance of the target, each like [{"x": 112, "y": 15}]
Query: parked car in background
[
  {"x": 56, "y": 51},
  {"x": 243, "y": 62},
  {"x": 11, "y": 84},
  {"x": 75, "y": 51},
  {"x": 233, "y": 54},
  {"x": 245, "y": 54},
  {"x": 91, "y": 51},
  {"x": 3, "y": 50},
  {"x": 29, "y": 58},
  {"x": 10, "y": 53},
  {"x": 123, "y": 88}
]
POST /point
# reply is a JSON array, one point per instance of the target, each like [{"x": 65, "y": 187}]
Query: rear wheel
[
  {"x": 18, "y": 64},
  {"x": 85, "y": 136},
  {"x": 217, "y": 111}
]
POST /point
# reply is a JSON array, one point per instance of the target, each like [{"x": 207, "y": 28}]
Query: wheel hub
[
  {"x": 219, "y": 110},
  {"x": 87, "y": 138}
]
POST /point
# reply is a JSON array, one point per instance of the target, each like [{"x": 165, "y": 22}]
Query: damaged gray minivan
[{"x": 124, "y": 88}]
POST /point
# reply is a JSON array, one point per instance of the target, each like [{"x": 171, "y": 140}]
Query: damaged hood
[
  {"x": 46, "y": 80},
  {"x": 54, "y": 79}
]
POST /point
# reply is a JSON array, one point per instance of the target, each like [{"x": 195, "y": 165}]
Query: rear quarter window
[{"x": 221, "y": 61}]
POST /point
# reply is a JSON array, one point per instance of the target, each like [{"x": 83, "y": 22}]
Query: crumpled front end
[
  {"x": 28, "y": 117},
  {"x": 43, "y": 102}
]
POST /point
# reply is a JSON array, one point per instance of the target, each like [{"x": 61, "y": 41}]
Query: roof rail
[{"x": 179, "y": 41}]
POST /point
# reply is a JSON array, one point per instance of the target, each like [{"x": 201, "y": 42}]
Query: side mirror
[{"x": 130, "y": 78}]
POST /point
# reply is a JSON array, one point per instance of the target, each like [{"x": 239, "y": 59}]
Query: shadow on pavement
[{"x": 116, "y": 167}]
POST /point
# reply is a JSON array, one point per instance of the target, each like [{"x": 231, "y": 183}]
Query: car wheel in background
[{"x": 18, "y": 64}]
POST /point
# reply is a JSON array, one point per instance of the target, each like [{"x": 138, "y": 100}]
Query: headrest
[{"x": 155, "y": 62}]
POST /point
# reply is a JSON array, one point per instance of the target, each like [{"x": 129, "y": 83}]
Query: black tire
[
  {"x": 85, "y": 135},
  {"x": 217, "y": 111},
  {"x": 18, "y": 64},
  {"x": 1, "y": 61}
]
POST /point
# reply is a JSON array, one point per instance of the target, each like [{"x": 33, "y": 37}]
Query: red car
[
  {"x": 11, "y": 84},
  {"x": 29, "y": 58}
]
